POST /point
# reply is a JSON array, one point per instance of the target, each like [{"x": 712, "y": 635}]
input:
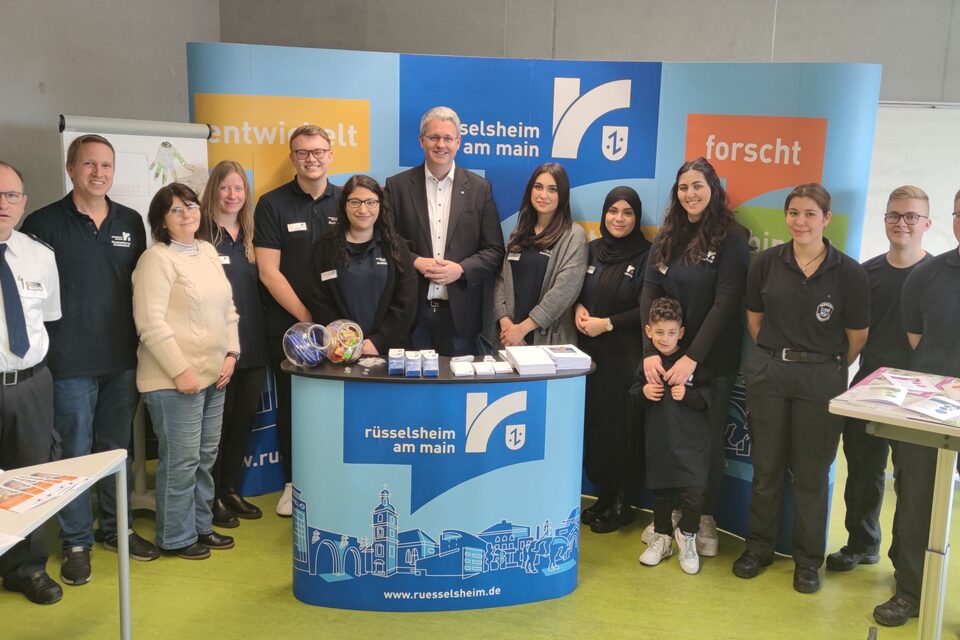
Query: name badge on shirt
[
  {"x": 333, "y": 220},
  {"x": 296, "y": 226},
  {"x": 591, "y": 269},
  {"x": 629, "y": 271},
  {"x": 32, "y": 289},
  {"x": 224, "y": 259},
  {"x": 662, "y": 269},
  {"x": 328, "y": 275},
  {"x": 381, "y": 262},
  {"x": 513, "y": 257},
  {"x": 546, "y": 252}
]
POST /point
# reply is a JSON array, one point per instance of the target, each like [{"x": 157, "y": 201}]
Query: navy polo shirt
[
  {"x": 362, "y": 281},
  {"x": 808, "y": 313},
  {"x": 244, "y": 280},
  {"x": 931, "y": 307},
  {"x": 887, "y": 344},
  {"x": 96, "y": 335},
  {"x": 290, "y": 220}
]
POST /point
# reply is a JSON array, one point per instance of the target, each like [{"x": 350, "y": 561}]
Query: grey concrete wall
[
  {"x": 916, "y": 41},
  {"x": 111, "y": 58}
]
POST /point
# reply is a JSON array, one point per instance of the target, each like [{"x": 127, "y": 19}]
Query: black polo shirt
[
  {"x": 696, "y": 286},
  {"x": 96, "y": 335},
  {"x": 529, "y": 268},
  {"x": 290, "y": 220},
  {"x": 931, "y": 307},
  {"x": 244, "y": 280},
  {"x": 887, "y": 344},
  {"x": 808, "y": 314},
  {"x": 362, "y": 281}
]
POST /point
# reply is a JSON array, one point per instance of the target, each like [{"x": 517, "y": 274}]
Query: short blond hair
[
  {"x": 309, "y": 130},
  {"x": 908, "y": 192}
]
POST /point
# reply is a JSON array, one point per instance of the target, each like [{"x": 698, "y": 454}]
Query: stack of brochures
[
  {"x": 567, "y": 356},
  {"x": 906, "y": 394},
  {"x": 22, "y": 493},
  {"x": 530, "y": 361}
]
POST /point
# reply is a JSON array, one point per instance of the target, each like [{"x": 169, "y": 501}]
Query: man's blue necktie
[{"x": 13, "y": 308}]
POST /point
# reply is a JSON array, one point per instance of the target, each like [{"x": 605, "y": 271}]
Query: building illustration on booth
[{"x": 545, "y": 549}]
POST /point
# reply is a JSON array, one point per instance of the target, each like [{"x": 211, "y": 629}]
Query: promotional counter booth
[{"x": 425, "y": 494}]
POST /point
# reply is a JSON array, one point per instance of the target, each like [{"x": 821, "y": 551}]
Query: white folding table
[
  {"x": 92, "y": 467},
  {"x": 946, "y": 439}
]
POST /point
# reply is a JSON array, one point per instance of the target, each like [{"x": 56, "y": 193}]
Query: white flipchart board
[
  {"x": 150, "y": 154},
  {"x": 918, "y": 145}
]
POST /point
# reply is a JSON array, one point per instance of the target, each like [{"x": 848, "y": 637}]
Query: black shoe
[
  {"x": 749, "y": 564},
  {"x": 246, "y": 510},
  {"x": 806, "y": 579},
  {"x": 139, "y": 548},
  {"x": 602, "y": 504},
  {"x": 223, "y": 516},
  {"x": 75, "y": 566},
  {"x": 38, "y": 587},
  {"x": 895, "y": 612},
  {"x": 618, "y": 514},
  {"x": 846, "y": 559},
  {"x": 214, "y": 540},
  {"x": 195, "y": 551}
]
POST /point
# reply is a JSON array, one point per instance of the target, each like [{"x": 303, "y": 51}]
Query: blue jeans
[
  {"x": 93, "y": 414},
  {"x": 188, "y": 428}
]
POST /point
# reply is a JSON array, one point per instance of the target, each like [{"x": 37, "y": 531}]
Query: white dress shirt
[
  {"x": 439, "y": 193},
  {"x": 35, "y": 270}
]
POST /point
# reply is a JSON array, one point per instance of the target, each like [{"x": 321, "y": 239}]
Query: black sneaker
[
  {"x": 846, "y": 559},
  {"x": 140, "y": 549},
  {"x": 895, "y": 612},
  {"x": 75, "y": 566},
  {"x": 38, "y": 587}
]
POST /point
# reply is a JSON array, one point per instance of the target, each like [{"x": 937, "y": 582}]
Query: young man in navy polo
[
  {"x": 93, "y": 348},
  {"x": 287, "y": 221}
]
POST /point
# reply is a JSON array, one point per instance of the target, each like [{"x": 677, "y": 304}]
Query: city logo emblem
[
  {"x": 516, "y": 435},
  {"x": 824, "y": 311},
  {"x": 482, "y": 419},
  {"x": 615, "y": 142},
  {"x": 574, "y": 113}
]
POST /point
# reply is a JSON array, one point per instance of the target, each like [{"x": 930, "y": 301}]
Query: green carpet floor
[{"x": 246, "y": 593}]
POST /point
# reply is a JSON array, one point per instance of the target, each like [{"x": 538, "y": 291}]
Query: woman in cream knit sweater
[{"x": 183, "y": 309}]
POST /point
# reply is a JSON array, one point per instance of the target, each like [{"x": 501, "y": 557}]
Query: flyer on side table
[
  {"x": 24, "y": 492},
  {"x": 907, "y": 394}
]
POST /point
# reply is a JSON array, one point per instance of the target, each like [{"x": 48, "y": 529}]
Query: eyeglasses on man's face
[
  {"x": 909, "y": 218},
  {"x": 13, "y": 197},
  {"x": 303, "y": 154}
]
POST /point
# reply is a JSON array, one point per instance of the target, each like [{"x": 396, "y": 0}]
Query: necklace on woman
[{"x": 803, "y": 267}]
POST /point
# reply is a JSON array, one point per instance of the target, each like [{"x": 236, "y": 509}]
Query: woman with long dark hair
[
  {"x": 610, "y": 325},
  {"x": 363, "y": 270},
  {"x": 700, "y": 257},
  {"x": 544, "y": 267}
]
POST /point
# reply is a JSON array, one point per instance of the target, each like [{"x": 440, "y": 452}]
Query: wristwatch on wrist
[
  {"x": 236, "y": 355},
  {"x": 609, "y": 325}
]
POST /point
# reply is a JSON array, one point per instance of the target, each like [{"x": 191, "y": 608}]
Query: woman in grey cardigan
[{"x": 544, "y": 267}]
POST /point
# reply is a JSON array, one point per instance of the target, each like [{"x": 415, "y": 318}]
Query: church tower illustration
[{"x": 384, "y": 536}]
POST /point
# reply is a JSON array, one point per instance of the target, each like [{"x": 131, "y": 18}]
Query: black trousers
[
  {"x": 27, "y": 437},
  {"x": 690, "y": 500},
  {"x": 284, "y": 433},
  {"x": 434, "y": 329},
  {"x": 717, "y": 418},
  {"x": 239, "y": 409},
  {"x": 791, "y": 429},
  {"x": 914, "y": 472},
  {"x": 863, "y": 493}
]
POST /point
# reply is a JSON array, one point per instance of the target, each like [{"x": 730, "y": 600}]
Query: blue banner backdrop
[{"x": 765, "y": 127}]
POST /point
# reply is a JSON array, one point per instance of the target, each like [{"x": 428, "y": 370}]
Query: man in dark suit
[{"x": 449, "y": 217}]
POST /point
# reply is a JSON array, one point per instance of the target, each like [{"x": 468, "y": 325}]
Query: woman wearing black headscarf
[{"x": 610, "y": 325}]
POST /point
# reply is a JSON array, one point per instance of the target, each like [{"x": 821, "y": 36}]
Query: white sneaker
[
  {"x": 661, "y": 547},
  {"x": 687, "y": 552},
  {"x": 708, "y": 542},
  {"x": 647, "y": 536},
  {"x": 285, "y": 505}
]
